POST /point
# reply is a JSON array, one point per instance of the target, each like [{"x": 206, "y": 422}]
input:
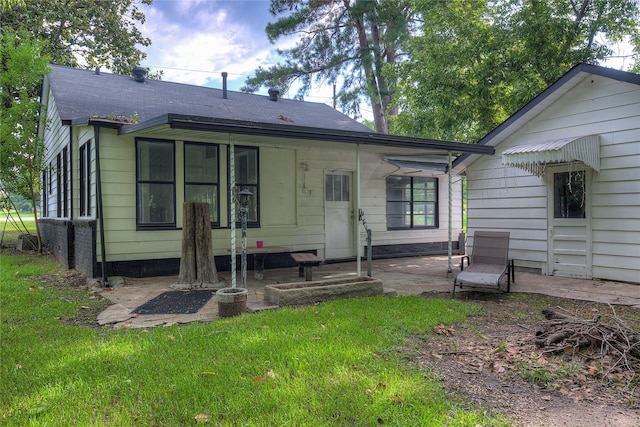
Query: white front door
[
  {"x": 569, "y": 242},
  {"x": 338, "y": 215}
]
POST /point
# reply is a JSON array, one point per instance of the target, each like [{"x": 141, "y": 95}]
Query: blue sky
[{"x": 193, "y": 41}]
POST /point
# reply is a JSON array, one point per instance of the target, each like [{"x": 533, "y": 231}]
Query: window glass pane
[
  {"x": 337, "y": 188},
  {"x": 345, "y": 188},
  {"x": 201, "y": 163},
  {"x": 569, "y": 194},
  {"x": 155, "y": 161},
  {"x": 328, "y": 188},
  {"x": 398, "y": 188},
  {"x": 246, "y": 165},
  {"x": 203, "y": 194},
  {"x": 155, "y": 203}
]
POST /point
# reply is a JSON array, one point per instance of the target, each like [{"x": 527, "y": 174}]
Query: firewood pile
[{"x": 615, "y": 344}]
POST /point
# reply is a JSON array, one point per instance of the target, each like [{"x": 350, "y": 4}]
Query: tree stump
[{"x": 197, "y": 263}]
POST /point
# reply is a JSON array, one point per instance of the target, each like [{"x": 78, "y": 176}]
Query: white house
[
  {"x": 565, "y": 178},
  {"x": 124, "y": 153}
]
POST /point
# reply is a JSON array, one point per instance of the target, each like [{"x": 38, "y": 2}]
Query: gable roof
[
  {"x": 548, "y": 96},
  {"x": 83, "y": 93},
  {"x": 86, "y": 97}
]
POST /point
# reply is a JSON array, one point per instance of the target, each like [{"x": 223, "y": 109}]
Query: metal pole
[
  {"x": 369, "y": 254},
  {"x": 356, "y": 219},
  {"x": 232, "y": 208},
  {"x": 449, "y": 268},
  {"x": 243, "y": 259}
]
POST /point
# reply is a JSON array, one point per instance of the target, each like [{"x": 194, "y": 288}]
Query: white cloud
[{"x": 194, "y": 41}]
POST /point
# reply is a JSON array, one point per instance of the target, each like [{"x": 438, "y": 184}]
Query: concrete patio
[{"x": 401, "y": 276}]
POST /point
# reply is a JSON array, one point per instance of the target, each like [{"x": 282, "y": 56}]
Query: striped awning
[{"x": 534, "y": 158}]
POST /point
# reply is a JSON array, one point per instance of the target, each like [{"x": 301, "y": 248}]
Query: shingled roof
[
  {"x": 81, "y": 94},
  {"x": 86, "y": 97}
]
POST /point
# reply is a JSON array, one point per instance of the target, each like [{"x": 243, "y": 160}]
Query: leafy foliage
[
  {"x": 346, "y": 43},
  {"x": 22, "y": 68},
  {"x": 83, "y": 33},
  {"x": 477, "y": 62}
]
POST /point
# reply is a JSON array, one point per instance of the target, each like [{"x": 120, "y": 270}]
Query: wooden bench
[{"x": 305, "y": 262}]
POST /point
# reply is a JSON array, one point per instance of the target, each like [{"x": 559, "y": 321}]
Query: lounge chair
[{"x": 488, "y": 263}]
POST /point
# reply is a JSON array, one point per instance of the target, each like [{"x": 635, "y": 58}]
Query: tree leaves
[
  {"x": 346, "y": 43},
  {"x": 476, "y": 63},
  {"x": 83, "y": 33}
]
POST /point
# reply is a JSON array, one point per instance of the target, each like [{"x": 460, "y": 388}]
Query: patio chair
[{"x": 488, "y": 263}]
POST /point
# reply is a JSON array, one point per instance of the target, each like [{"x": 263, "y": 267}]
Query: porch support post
[
  {"x": 232, "y": 208},
  {"x": 356, "y": 215},
  {"x": 449, "y": 270}
]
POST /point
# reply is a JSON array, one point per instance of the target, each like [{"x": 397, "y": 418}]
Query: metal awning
[
  {"x": 422, "y": 163},
  {"x": 534, "y": 158}
]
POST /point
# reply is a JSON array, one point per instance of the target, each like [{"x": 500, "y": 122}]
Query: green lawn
[
  {"x": 9, "y": 233},
  {"x": 334, "y": 364}
]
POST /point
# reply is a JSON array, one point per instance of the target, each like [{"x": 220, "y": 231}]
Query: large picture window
[
  {"x": 201, "y": 177},
  {"x": 412, "y": 202},
  {"x": 155, "y": 175},
  {"x": 247, "y": 176}
]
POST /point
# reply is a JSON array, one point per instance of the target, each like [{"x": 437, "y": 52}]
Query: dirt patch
[
  {"x": 75, "y": 289},
  {"x": 492, "y": 360}
]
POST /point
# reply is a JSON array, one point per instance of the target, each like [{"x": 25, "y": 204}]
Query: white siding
[
  {"x": 291, "y": 196},
  {"x": 56, "y": 137},
  {"x": 510, "y": 199}
]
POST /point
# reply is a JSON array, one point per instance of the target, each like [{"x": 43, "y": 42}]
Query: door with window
[
  {"x": 338, "y": 215},
  {"x": 569, "y": 234}
]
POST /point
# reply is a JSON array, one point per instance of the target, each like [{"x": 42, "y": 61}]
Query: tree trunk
[
  {"x": 197, "y": 263},
  {"x": 205, "y": 262}
]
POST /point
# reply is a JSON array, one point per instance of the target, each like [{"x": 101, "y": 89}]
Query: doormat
[{"x": 176, "y": 302}]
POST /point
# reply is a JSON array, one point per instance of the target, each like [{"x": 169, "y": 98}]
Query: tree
[
  {"x": 22, "y": 68},
  {"x": 86, "y": 33},
  {"x": 476, "y": 62},
  {"x": 341, "y": 41}
]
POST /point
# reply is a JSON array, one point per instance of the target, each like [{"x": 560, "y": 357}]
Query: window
[
  {"x": 65, "y": 182},
  {"x": 43, "y": 203},
  {"x": 155, "y": 175},
  {"x": 60, "y": 188},
  {"x": 246, "y": 168},
  {"x": 336, "y": 188},
  {"x": 412, "y": 202},
  {"x": 569, "y": 194},
  {"x": 201, "y": 177},
  {"x": 51, "y": 169},
  {"x": 85, "y": 179}
]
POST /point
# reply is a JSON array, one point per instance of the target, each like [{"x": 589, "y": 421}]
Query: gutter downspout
[{"x": 105, "y": 280}]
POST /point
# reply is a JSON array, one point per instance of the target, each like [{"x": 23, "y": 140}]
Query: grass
[
  {"x": 332, "y": 364},
  {"x": 9, "y": 234}
]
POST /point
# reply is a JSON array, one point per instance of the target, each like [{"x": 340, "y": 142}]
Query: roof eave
[
  {"x": 208, "y": 124},
  {"x": 497, "y": 134}
]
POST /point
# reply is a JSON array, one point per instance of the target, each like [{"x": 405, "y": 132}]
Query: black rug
[{"x": 176, "y": 302}]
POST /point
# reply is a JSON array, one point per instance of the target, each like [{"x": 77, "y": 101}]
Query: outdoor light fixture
[{"x": 244, "y": 197}]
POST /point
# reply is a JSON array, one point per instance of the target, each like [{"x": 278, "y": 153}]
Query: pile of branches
[{"x": 571, "y": 335}]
